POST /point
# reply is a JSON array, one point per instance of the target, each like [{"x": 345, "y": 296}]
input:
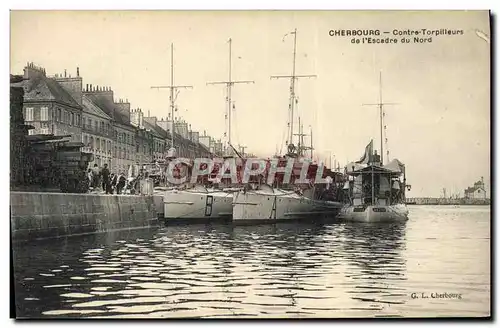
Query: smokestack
[
  {"x": 64, "y": 72},
  {"x": 77, "y": 71}
]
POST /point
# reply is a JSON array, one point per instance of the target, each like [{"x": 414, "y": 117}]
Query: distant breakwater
[{"x": 446, "y": 201}]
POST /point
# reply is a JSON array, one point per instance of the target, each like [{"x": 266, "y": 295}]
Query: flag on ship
[{"x": 368, "y": 153}]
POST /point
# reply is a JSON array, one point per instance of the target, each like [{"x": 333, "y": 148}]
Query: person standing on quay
[
  {"x": 95, "y": 177},
  {"x": 105, "y": 179},
  {"x": 113, "y": 180},
  {"x": 89, "y": 177},
  {"x": 121, "y": 183}
]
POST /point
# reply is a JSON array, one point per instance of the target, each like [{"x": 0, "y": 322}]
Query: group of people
[{"x": 109, "y": 182}]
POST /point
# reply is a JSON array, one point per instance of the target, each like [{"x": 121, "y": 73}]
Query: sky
[{"x": 439, "y": 125}]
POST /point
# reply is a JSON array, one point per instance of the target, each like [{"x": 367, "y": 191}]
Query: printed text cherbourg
[{"x": 396, "y": 32}]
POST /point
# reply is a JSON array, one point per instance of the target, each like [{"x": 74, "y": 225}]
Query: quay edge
[{"x": 37, "y": 215}]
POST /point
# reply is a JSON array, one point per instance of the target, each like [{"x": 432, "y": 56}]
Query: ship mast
[
  {"x": 301, "y": 148},
  {"x": 293, "y": 99},
  {"x": 173, "y": 88},
  {"x": 380, "y": 106},
  {"x": 229, "y": 84}
]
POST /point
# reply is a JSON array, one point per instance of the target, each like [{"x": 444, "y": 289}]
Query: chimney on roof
[
  {"x": 90, "y": 87},
  {"x": 148, "y": 113},
  {"x": 64, "y": 72},
  {"x": 77, "y": 71}
]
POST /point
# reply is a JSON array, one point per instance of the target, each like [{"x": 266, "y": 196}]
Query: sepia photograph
[{"x": 250, "y": 164}]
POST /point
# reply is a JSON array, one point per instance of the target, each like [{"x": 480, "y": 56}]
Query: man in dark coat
[
  {"x": 121, "y": 183},
  {"x": 106, "y": 185}
]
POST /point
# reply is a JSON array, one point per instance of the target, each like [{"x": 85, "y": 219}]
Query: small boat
[{"x": 375, "y": 192}]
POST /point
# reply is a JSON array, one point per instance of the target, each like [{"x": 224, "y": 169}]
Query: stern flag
[{"x": 368, "y": 153}]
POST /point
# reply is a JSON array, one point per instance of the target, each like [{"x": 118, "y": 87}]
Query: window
[
  {"x": 96, "y": 126},
  {"x": 103, "y": 145},
  {"x": 98, "y": 145},
  {"x": 91, "y": 142},
  {"x": 77, "y": 119},
  {"x": 86, "y": 141},
  {"x": 44, "y": 114},
  {"x": 72, "y": 118},
  {"x": 29, "y": 114}
]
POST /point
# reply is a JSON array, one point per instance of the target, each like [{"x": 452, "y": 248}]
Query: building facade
[
  {"x": 478, "y": 191},
  {"x": 161, "y": 138},
  {"x": 107, "y": 128},
  {"x": 123, "y": 133},
  {"x": 97, "y": 133},
  {"x": 48, "y": 106}
]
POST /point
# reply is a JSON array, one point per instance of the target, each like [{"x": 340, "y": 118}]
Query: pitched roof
[
  {"x": 108, "y": 106},
  {"x": 474, "y": 189},
  {"x": 42, "y": 88},
  {"x": 90, "y": 107},
  {"x": 203, "y": 147},
  {"x": 155, "y": 129}
]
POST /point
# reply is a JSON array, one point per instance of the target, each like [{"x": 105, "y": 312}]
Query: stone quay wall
[{"x": 35, "y": 215}]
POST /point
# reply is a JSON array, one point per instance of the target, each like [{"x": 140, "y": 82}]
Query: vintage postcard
[{"x": 250, "y": 164}]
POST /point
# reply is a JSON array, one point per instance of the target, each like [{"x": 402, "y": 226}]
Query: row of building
[{"x": 109, "y": 128}]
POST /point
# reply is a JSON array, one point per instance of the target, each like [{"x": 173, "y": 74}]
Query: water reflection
[
  {"x": 279, "y": 271},
  {"x": 377, "y": 266}
]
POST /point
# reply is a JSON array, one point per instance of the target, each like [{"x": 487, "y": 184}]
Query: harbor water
[{"x": 436, "y": 264}]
